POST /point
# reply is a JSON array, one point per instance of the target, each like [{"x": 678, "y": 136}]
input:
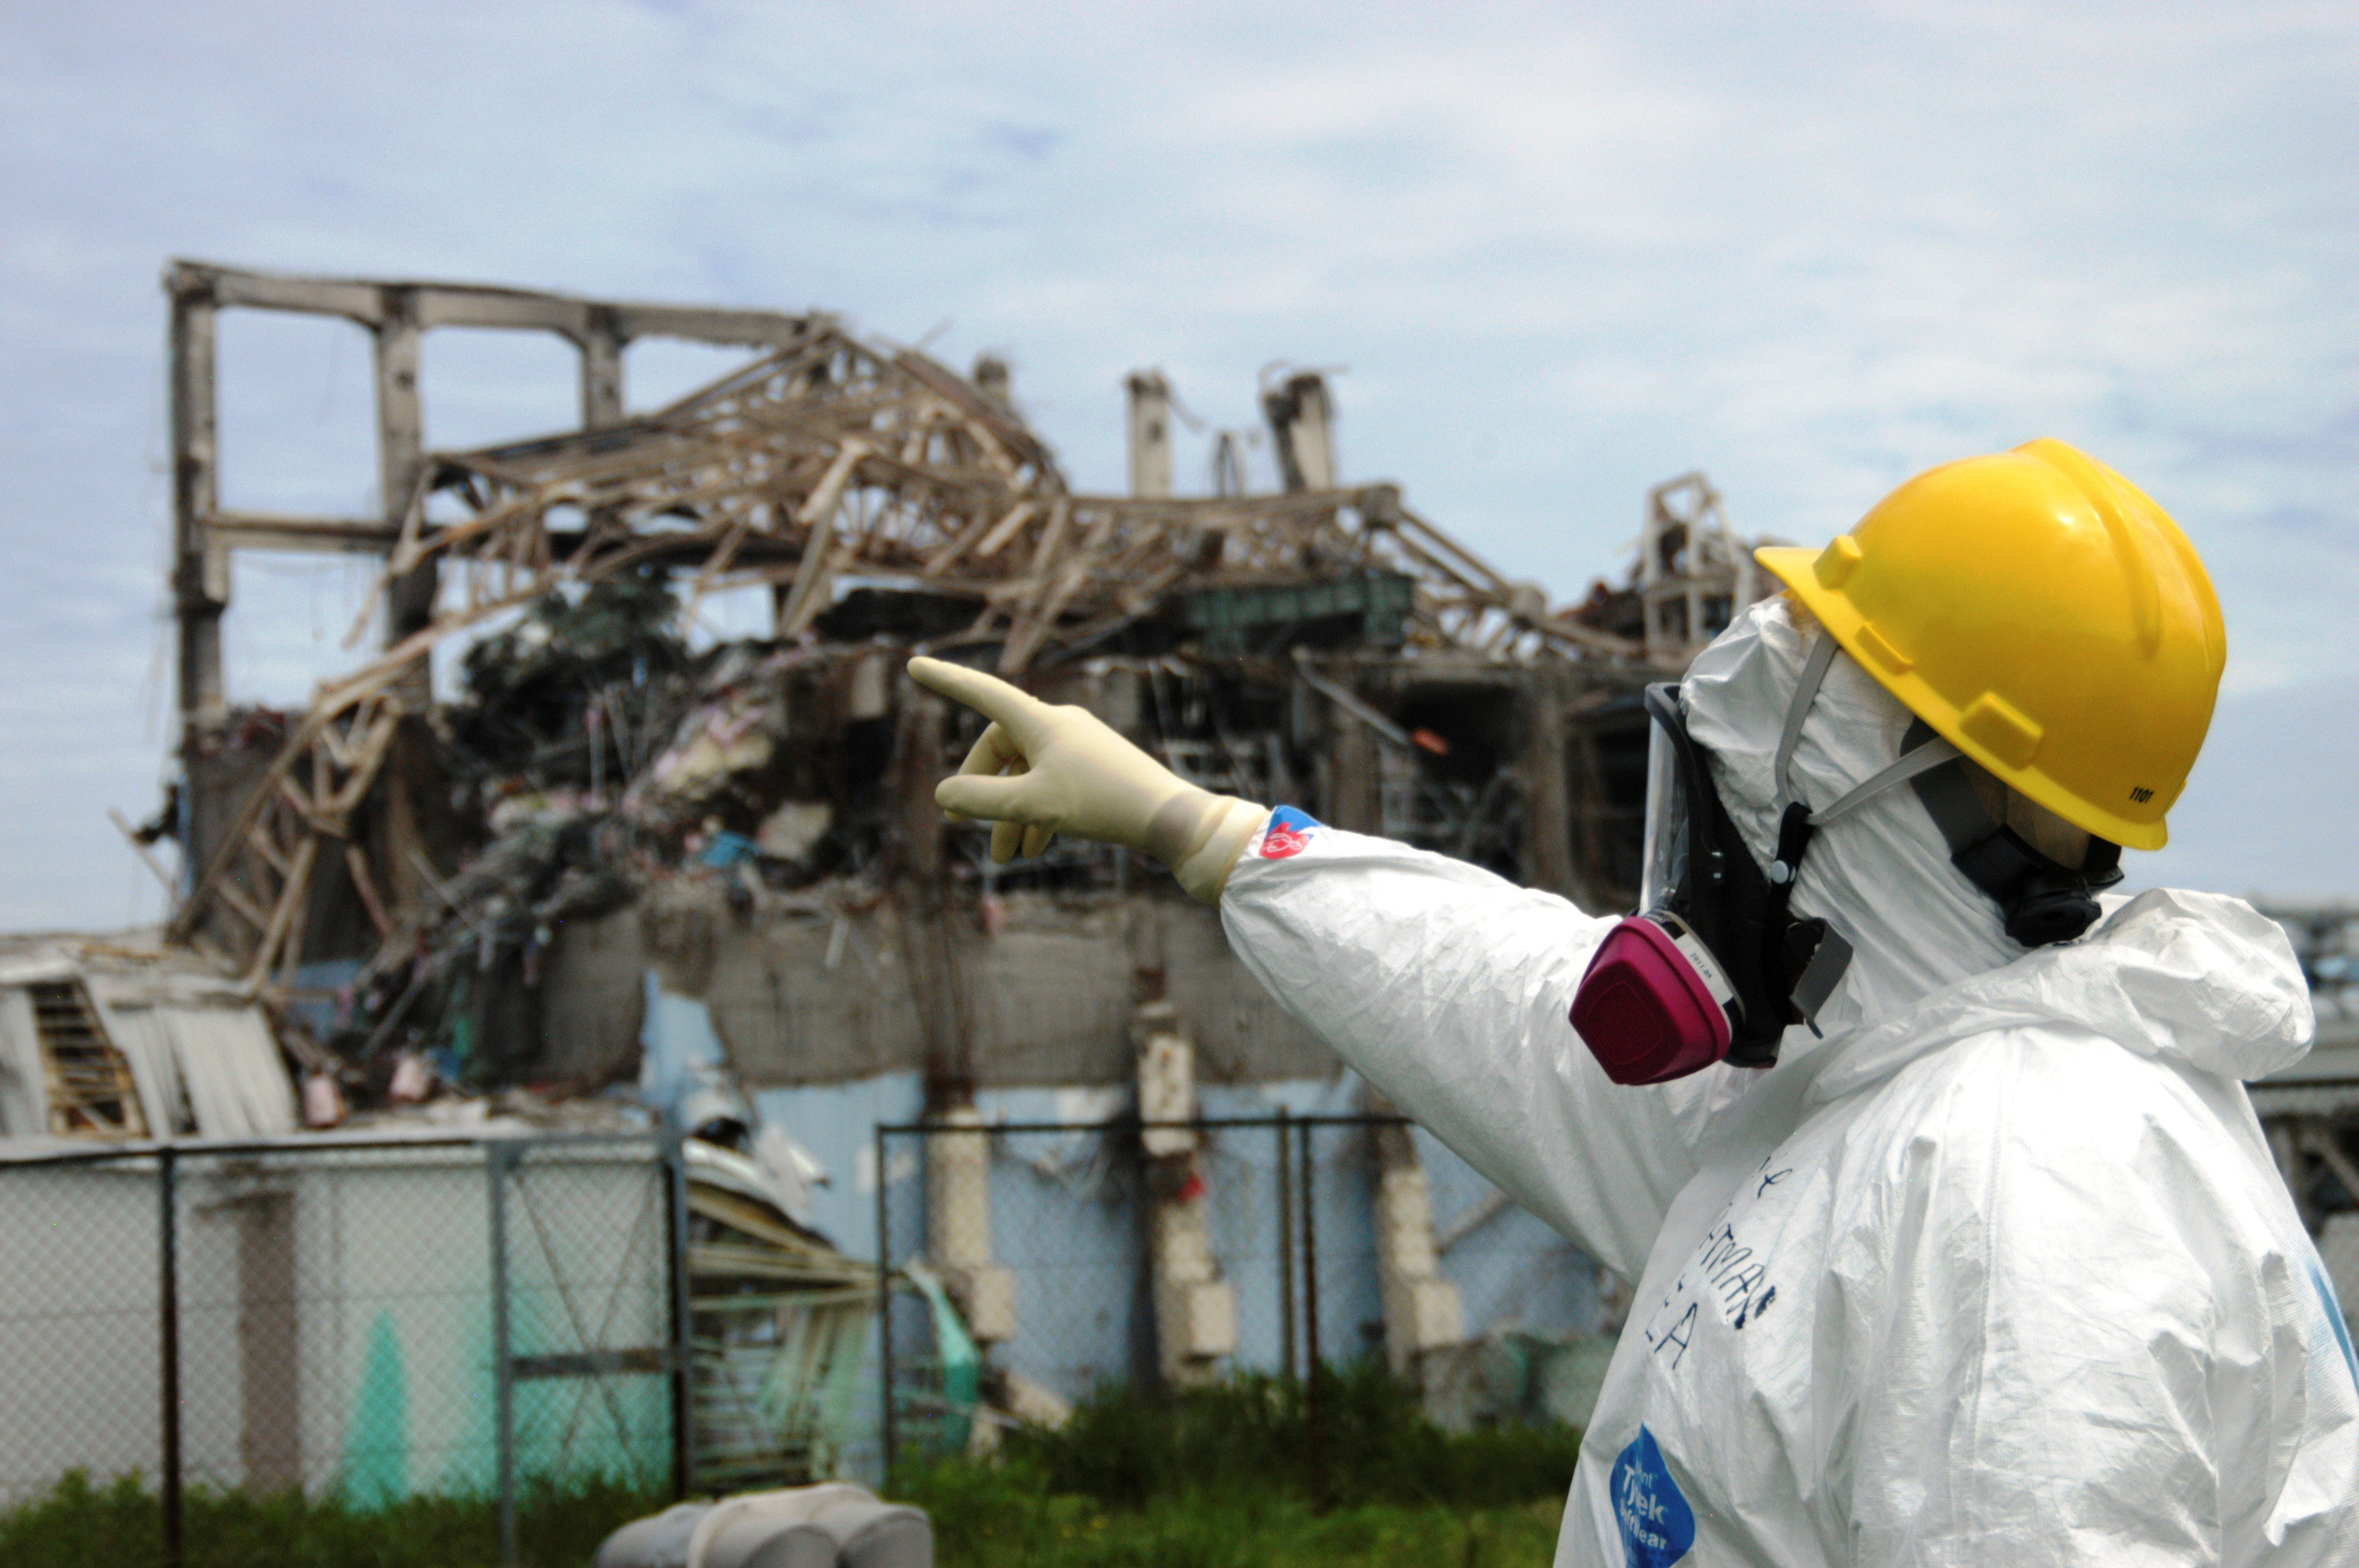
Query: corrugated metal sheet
[
  {"x": 194, "y": 1042},
  {"x": 202, "y": 1054},
  {"x": 138, "y": 1033}
]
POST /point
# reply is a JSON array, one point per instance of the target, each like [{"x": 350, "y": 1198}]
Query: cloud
[{"x": 1565, "y": 253}]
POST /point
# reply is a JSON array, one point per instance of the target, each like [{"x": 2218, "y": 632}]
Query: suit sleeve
[{"x": 1447, "y": 987}]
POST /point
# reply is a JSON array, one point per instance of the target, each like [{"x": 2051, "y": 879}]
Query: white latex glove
[{"x": 1042, "y": 769}]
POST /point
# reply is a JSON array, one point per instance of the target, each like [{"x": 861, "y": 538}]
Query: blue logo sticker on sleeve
[
  {"x": 2335, "y": 1321},
  {"x": 1658, "y": 1526},
  {"x": 1289, "y": 833}
]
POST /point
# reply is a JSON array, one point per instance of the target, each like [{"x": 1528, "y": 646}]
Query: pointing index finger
[{"x": 988, "y": 695}]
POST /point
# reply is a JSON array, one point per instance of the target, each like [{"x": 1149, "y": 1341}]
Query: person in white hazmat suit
[{"x": 1986, "y": 1261}]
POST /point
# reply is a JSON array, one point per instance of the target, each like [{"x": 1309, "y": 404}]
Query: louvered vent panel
[{"x": 91, "y": 1090}]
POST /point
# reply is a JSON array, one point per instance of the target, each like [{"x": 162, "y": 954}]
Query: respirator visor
[
  {"x": 1663, "y": 863},
  {"x": 1655, "y": 1003}
]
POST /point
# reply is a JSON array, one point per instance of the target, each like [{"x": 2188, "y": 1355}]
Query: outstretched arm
[{"x": 1447, "y": 987}]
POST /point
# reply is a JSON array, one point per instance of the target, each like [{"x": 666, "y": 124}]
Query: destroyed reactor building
[
  {"x": 596, "y": 796},
  {"x": 476, "y": 884}
]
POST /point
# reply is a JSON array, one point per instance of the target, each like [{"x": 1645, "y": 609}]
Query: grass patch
[
  {"x": 120, "y": 1525},
  {"x": 988, "y": 1518},
  {"x": 1251, "y": 1435},
  {"x": 1219, "y": 1476},
  {"x": 1212, "y": 1477}
]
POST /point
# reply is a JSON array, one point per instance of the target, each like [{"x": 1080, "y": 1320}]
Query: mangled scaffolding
[{"x": 825, "y": 461}]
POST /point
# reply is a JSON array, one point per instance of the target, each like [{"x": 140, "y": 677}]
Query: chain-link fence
[
  {"x": 500, "y": 1320},
  {"x": 81, "y": 1383},
  {"x": 373, "y": 1321},
  {"x": 1035, "y": 1263}
]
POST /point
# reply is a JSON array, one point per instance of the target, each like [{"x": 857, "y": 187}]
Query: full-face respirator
[{"x": 1715, "y": 965}]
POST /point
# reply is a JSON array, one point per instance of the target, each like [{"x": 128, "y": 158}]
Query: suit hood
[{"x": 2194, "y": 977}]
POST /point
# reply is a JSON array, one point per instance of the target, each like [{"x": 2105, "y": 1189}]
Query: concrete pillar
[
  {"x": 1150, "y": 435},
  {"x": 1228, "y": 465},
  {"x": 1350, "y": 769},
  {"x": 602, "y": 371},
  {"x": 992, "y": 379},
  {"x": 1422, "y": 1310},
  {"x": 401, "y": 446},
  {"x": 1547, "y": 797},
  {"x": 1195, "y": 1308},
  {"x": 958, "y": 1227},
  {"x": 200, "y": 565},
  {"x": 270, "y": 1370},
  {"x": 1749, "y": 586},
  {"x": 1301, "y": 426}
]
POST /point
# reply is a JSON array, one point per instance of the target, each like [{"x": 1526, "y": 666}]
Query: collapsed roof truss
[
  {"x": 827, "y": 458},
  {"x": 830, "y": 459}
]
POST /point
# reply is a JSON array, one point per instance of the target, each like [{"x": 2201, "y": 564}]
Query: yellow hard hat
[{"x": 2044, "y": 615}]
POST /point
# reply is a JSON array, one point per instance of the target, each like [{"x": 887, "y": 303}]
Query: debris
[
  {"x": 794, "y": 829},
  {"x": 412, "y": 1080},
  {"x": 323, "y": 1103}
]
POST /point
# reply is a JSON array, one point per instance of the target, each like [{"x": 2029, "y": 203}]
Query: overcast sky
[{"x": 1558, "y": 254}]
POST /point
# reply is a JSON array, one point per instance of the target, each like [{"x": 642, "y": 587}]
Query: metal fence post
[
  {"x": 497, "y": 1158},
  {"x": 683, "y": 1387},
  {"x": 1314, "y": 1407},
  {"x": 884, "y": 1311},
  {"x": 167, "y": 1325},
  {"x": 1285, "y": 1242}
]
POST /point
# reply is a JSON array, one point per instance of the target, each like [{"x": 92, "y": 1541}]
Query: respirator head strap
[
  {"x": 1797, "y": 708},
  {"x": 1920, "y": 750},
  {"x": 1800, "y": 961},
  {"x": 1818, "y": 959}
]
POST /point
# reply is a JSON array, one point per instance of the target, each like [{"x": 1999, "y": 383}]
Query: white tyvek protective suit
[{"x": 2000, "y": 1272}]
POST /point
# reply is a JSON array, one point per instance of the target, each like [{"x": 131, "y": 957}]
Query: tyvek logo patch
[
  {"x": 1658, "y": 1526},
  {"x": 1289, "y": 834}
]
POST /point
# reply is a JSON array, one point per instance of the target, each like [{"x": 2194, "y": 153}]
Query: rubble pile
[{"x": 594, "y": 759}]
